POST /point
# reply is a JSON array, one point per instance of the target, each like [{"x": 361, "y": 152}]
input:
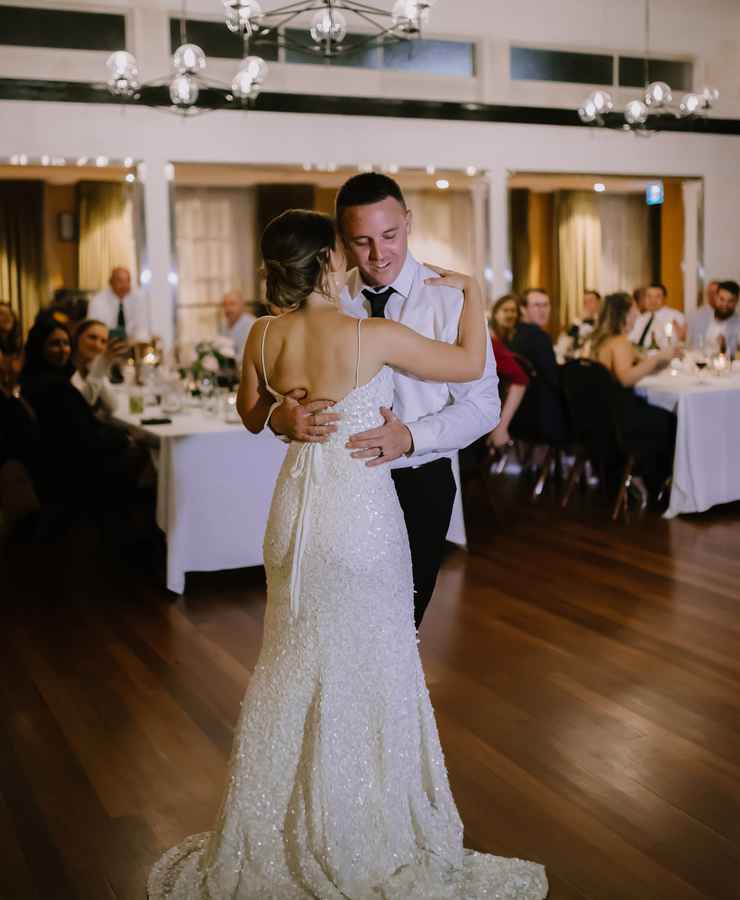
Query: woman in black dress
[{"x": 648, "y": 428}]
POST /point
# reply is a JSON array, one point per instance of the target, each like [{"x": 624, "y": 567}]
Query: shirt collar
[{"x": 403, "y": 282}]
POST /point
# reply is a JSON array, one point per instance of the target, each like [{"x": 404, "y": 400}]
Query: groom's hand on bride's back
[{"x": 305, "y": 422}]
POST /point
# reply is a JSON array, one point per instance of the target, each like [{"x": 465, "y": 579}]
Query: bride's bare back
[{"x": 316, "y": 350}]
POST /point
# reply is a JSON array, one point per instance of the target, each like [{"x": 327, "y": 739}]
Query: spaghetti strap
[
  {"x": 357, "y": 366},
  {"x": 264, "y": 370}
]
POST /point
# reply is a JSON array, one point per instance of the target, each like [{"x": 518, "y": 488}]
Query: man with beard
[{"x": 718, "y": 324}]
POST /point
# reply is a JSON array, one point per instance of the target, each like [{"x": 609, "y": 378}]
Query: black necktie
[
  {"x": 378, "y": 299},
  {"x": 121, "y": 323},
  {"x": 644, "y": 334}
]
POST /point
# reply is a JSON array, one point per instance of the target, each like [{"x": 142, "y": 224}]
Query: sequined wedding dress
[{"x": 337, "y": 786}]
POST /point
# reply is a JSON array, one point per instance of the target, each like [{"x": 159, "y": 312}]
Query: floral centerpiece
[{"x": 214, "y": 358}]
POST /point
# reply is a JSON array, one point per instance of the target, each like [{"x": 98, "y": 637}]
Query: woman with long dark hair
[
  {"x": 82, "y": 458},
  {"x": 645, "y": 426}
]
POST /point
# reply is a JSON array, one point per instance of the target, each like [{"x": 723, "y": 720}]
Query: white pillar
[
  {"x": 498, "y": 221},
  {"x": 692, "y": 191},
  {"x": 158, "y": 257}
]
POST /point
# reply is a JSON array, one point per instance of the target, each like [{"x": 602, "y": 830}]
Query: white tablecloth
[
  {"x": 706, "y": 466},
  {"x": 214, "y": 491}
]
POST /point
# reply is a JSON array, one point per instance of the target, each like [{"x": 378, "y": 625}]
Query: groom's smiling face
[{"x": 376, "y": 238}]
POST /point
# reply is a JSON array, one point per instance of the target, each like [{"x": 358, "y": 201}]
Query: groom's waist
[{"x": 437, "y": 460}]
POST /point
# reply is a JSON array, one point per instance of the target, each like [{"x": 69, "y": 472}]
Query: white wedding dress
[{"x": 337, "y": 787}]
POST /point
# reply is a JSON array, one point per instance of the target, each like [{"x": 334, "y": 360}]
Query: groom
[{"x": 429, "y": 421}]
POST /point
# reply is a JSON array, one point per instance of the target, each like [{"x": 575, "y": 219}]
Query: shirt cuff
[{"x": 422, "y": 437}]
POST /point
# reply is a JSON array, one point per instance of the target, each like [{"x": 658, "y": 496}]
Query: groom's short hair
[{"x": 366, "y": 188}]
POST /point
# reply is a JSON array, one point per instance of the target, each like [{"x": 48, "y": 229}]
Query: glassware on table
[
  {"x": 230, "y": 412},
  {"x": 173, "y": 392},
  {"x": 135, "y": 401}
]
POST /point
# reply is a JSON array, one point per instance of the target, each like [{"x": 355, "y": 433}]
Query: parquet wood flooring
[{"x": 585, "y": 674}]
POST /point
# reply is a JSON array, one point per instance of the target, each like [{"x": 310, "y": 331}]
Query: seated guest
[
  {"x": 717, "y": 325},
  {"x": 84, "y": 459},
  {"x": 638, "y": 295},
  {"x": 93, "y": 355},
  {"x": 237, "y": 322},
  {"x": 19, "y": 451},
  {"x": 649, "y": 428},
  {"x": 542, "y": 412},
  {"x": 124, "y": 310},
  {"x": 651, "y": 330},
  {"x": 581, "y": 328},
  {"x": 512, "y": 378},
  {"x": 711, "y": 293},
  {"x": 11, "y": 342}
]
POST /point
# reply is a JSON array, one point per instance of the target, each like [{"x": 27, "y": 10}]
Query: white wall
[
  {"x": 72, "y": 130},
  {"x": 706, "y": 31}
]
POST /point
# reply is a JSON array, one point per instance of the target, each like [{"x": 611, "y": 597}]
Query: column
[{"x": 158, "y": 259}]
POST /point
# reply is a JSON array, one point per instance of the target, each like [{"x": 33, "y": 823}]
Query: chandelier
[
  {"x": 657, "y": 100},
  {"x": 327, "y": 34}
]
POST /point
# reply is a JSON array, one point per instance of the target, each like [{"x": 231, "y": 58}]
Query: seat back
[{"x": 591, "y": 395}]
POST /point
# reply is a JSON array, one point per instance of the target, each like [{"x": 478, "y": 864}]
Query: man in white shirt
[
  {"x": 717, "y": 321},
  {"x": 237, "y": 322},
  {"x": 123, "y": 310},
  {"x": 651, "y": 327},
  {"x": 429, "y": 421}
]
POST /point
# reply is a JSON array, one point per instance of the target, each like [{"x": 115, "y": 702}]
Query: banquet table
[
  {"x": 214, "y": 488},
  {"x": 706, "y": 465}
]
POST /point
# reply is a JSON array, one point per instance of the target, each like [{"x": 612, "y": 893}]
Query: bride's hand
[{"x": 447, "y": 278}]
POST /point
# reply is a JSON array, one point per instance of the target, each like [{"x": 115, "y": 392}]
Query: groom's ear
[{"x": 409, "y": 221}]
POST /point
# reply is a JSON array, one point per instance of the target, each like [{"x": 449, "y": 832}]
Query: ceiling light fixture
[
  {"x": 656, "y": 101},
  {"x": 328, "y": 36}
]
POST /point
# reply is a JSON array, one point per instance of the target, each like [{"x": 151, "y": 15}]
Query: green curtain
[
  {"x": 22, "y": 248},
  {"x": 106, "y": 219}
]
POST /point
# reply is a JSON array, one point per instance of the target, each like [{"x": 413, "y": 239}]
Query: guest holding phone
[
  {"x": 85, "y": 462},
  {"x": 93, "y": 354}
]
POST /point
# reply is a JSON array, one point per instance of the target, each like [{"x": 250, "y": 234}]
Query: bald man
[
  {"x": 123, "y": 310},
  {"x": 237, "y": 322}
]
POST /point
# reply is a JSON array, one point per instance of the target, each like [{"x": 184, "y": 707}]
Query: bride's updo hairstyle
[{"x": 296, "y": 246}]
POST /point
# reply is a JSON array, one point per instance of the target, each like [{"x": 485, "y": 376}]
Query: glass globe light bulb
[
  {"x": 242, "y": 16},
  {"x": 587, "y": 112},
  {"x": 329, "y": 26},
  {"x": 636, "y": 112},
  {"x": 602, "y": 101},
  {"x": 658, "y": 94},
  {"x": 690, "y": 104},
  {"x": 408, "y": 16},
  {"x": 122, "y": 64},
  {"x": 184, "y": 90},
  {"x": 710, "y": 96},
  {"x": 188, "y": 58},
  {"x": 250, "y": 78}
]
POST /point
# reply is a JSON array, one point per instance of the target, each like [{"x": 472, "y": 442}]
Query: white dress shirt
[
  {"x": 441, "y": 417},
  {"x": 104, "y": 307},
  {"x": 661, "y": 318},
  {"x": 95, "y": 387},
  {"x": 239, "y": 332}
]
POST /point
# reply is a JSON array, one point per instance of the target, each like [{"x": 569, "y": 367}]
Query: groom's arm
[{"x": 475, "y": 410}]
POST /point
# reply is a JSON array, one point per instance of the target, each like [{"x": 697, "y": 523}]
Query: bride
[{"x": 337, "y": 787}]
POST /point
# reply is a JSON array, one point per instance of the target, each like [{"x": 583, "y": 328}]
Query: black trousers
[{"x": 426, "y": 495}]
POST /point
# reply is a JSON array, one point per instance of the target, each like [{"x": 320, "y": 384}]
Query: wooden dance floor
[{"x": 586, "y": 678}]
